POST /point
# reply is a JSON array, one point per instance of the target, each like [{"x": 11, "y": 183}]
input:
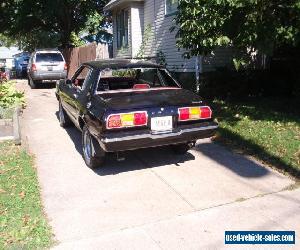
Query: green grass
[
  {"x": 22, "y": 222},
  {"x": 268, "y": 129}
]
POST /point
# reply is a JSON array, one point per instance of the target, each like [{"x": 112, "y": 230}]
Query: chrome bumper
[{"x": 157, "y": 136}]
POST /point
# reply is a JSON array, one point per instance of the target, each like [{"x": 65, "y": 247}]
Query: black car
[{"x": 124, "y": 105}]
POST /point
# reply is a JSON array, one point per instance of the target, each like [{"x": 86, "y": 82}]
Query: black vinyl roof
[{"x": 121, "y": 63}]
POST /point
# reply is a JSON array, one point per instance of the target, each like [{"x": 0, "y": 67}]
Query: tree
[
  {"x": 46, "y": 22},
  {"x": 252, "y": 25}
]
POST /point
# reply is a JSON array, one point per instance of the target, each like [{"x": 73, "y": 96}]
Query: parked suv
[{"x": 46, "y": 65}]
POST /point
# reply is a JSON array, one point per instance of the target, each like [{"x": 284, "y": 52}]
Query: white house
[
  {"x": 6, "y": 56},
  {"x": 143, "y": 27}
]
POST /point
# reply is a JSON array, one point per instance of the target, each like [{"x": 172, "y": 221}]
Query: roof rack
[{"x": 46, "y": 49}]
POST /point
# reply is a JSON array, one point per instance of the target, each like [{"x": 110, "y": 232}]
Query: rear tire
[
  {"x": 33, "y": 84},
  {"x": 93, "y": 154},
  {"x": 181, "y": 149},
  {"x": 64, "y": 119}
]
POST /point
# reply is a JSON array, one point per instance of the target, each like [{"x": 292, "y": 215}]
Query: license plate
[
  {"x": 50, "y": 68},
  {"x": 162, "y": 124}
]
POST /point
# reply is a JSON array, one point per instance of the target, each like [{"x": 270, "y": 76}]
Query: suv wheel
[
  {"x": 93, "y": 154},
  {"x": 33, "y": 84}
]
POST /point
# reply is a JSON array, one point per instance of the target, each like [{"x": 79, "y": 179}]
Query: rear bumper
[
  {"x": 39, "y": 76},
  {"x": 130, "y": 141}
]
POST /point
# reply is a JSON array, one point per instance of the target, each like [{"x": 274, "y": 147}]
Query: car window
[
  {"x": 135, "y": 78},
  {"x": 80, "y": 79},
  {"x": 49, "y": 57}
]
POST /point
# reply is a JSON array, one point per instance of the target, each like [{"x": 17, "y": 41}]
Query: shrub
[{"x": 9, "y": 96}]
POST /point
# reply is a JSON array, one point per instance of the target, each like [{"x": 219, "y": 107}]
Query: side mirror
[{"x": 69, "y": 82}]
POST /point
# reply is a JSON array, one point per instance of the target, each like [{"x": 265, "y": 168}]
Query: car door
[{"x": 74, "y": 96}]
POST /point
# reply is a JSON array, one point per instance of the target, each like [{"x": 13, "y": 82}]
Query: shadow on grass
[
  {"x": 236, "y": 142},
  {"x": 264, "y": 109}
]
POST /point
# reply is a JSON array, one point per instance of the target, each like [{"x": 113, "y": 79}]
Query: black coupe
[{"x": 123, "y": 105}]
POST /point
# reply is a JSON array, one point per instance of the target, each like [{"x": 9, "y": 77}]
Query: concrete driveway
[{"x": 154, "y": 199}]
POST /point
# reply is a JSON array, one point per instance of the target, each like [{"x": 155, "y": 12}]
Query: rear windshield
[
  {"x": 135, "y": 78},
  {"x": 49, "y": 57}
]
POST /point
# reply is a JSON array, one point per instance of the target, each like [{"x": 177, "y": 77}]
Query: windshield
[
  {"x": 49, "y": 57},
  {"x": 136, "y": 78}
]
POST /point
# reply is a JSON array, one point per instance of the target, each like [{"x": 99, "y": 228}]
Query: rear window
[
  {"x": 49, "y": 57},
  {"x": 115, "y": 79}
]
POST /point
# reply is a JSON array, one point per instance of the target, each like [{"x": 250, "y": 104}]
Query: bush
[
  {"x": 9, "y": 98},
  {"x": 224, "y": 83}
]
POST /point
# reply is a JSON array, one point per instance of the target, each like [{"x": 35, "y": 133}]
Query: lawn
[
  {"x": 267, "y": 128},
  {"x": 22, "y": 222}
]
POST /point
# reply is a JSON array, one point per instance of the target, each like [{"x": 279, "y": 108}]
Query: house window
[
  {"x": 122, "y": 29},
  {"x": 171, "y": 6}
]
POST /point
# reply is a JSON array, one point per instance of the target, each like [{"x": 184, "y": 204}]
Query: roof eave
[{"x": 115, "y": 3}]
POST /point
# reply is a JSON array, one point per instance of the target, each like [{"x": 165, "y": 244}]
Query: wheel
[
  {"x": 64, "y": 119},
  {"x": 93, "y": 154},
  {"x": 33, "y": 84},
  {"x": 181, "y": 149}
]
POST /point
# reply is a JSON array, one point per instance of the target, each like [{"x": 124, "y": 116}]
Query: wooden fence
[{"x": 76, "y": 56}]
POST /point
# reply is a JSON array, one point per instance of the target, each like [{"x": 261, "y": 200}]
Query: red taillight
[
  {"x": 194, "y": 113},
  {"x": 140, "y": 119},
  {"x": 114, "y": 121},
  {"x": 206, "y": 113},
  {"x": 66, "y": 67},
  {"x": 33, "y": 67},
  {"x": 127, "y": 120},
  {"x": 184, "y": 114}
]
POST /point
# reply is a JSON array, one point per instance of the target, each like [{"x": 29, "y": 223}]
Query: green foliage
[
  {"x": 253, "y": 25},
  {"x": 6, "y": 41},
  {"x": 146, "y": 38},
  {"x": 96, "y": 29},
  {"x": 45, "y": 23},
  {"x": 124, "y": 73},
  {"x": 22, "y": 223},
  {"x": 266, "y": 128},
  {"x": 9, "y": 96}
]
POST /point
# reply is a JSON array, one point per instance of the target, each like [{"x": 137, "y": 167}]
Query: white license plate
[{"x": 162, "y": 124}]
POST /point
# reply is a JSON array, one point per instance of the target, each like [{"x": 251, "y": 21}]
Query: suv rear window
[{"x": 49, "y": 57}]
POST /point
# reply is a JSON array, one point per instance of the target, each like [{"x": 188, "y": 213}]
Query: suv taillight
[
  {"x": 33, "y": 67},
  {"x": 127, "y": 120},
  {"x": 66, "y": 67},
  {"x": 194, "y": 113}
]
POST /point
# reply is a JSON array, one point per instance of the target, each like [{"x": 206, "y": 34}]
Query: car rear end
[
  {"x": 48, "y": 66},
  {"x": 156, "y": 123}
]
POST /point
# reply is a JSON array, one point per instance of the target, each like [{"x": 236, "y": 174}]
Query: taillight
[
  {"x": 194, "y": 113},
  {"x": 33, "y": 67},
  {"x": 127, "y": 120},
  {"x": 66, "y": 67}
]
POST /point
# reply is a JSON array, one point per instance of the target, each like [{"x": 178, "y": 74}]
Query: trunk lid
[{"x": 151, "y": 98}]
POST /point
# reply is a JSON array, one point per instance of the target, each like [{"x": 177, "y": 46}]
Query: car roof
[{"x": 121, "y": 63}]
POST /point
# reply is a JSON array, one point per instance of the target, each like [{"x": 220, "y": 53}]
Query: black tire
[
  {"x": 33, "y": 84},
  {"x": 93, "y": 154},
  {"x": 64, "y": 119},
  {"x": 181, "y": 149}
]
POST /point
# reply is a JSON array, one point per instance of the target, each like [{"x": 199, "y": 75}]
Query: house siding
[
  {"x": 161, "y": 39},
  {"x": 137, "y": 27},
  {"x": 148, "y": 20}
]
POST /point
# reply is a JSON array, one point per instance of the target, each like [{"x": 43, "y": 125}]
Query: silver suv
[{"x": 46, "y": 65}]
